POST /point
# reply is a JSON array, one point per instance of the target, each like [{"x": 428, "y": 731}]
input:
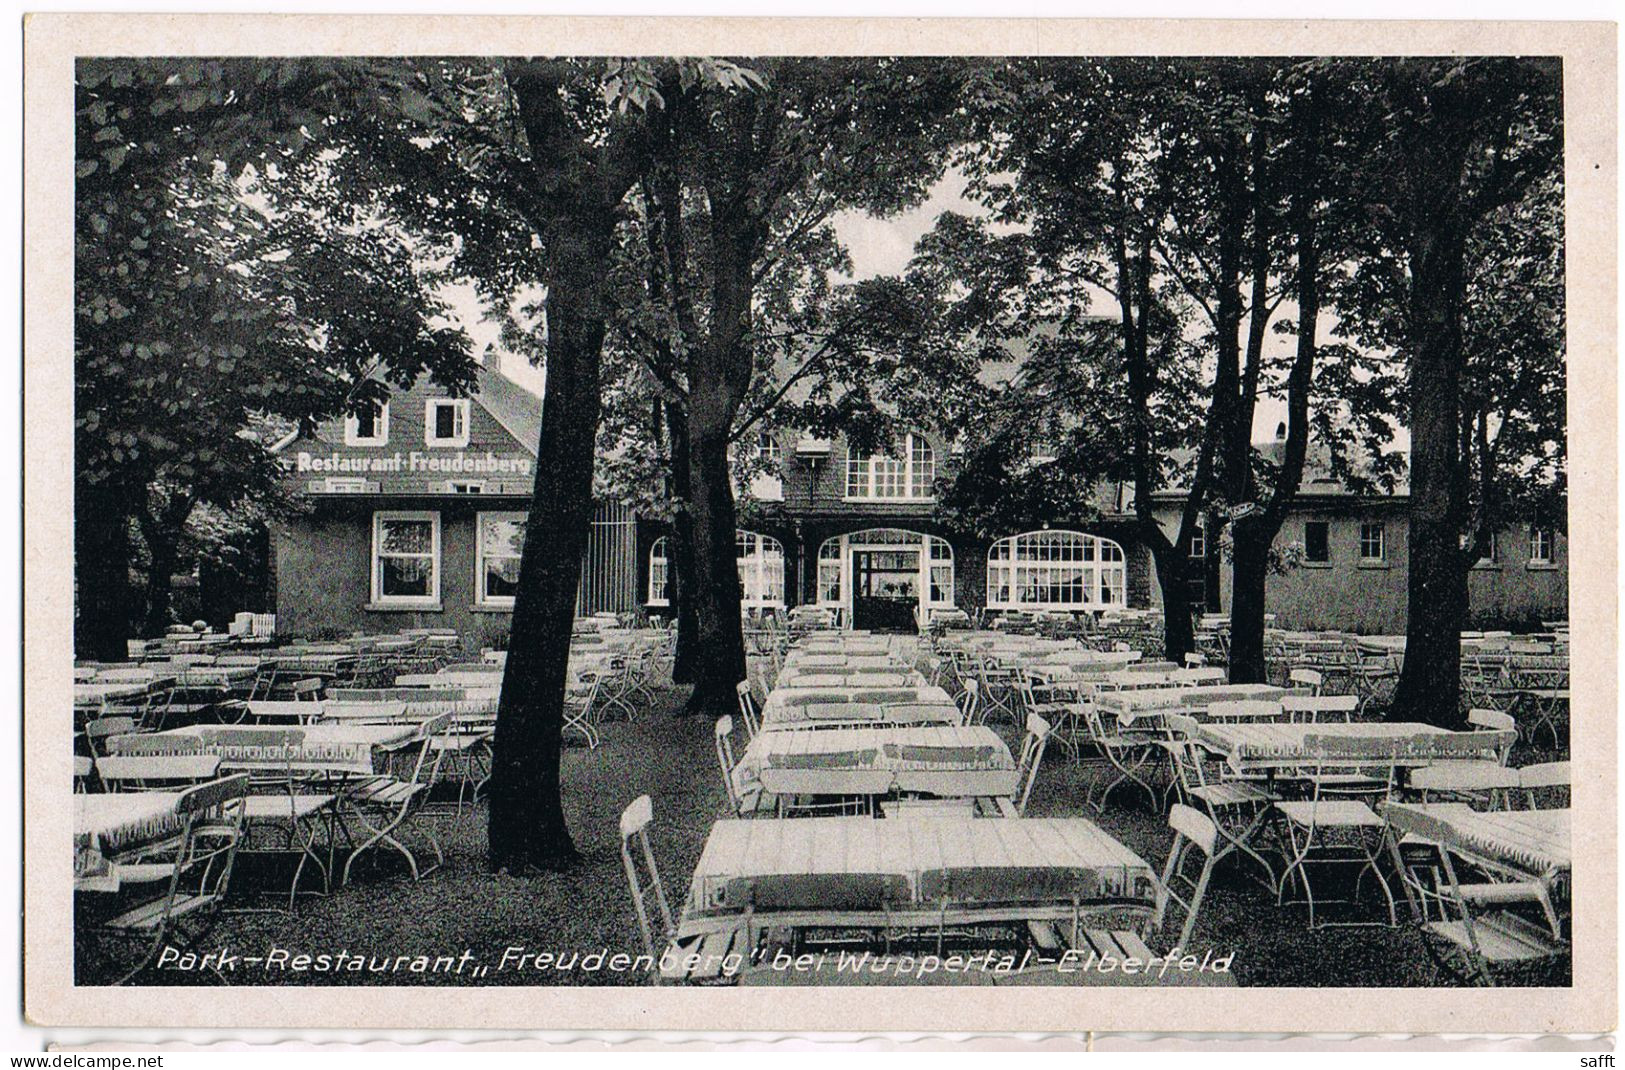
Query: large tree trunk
[
  {"x": 1253, "y": 535},
  {"x": 162, "y": 554},
  {"x": 527, "y": 828},
  {"x": 719, "y": 376},
  {"x": 1173, "y": 573},
  {"x": 682, "y": 580},
  {"x": 101, "y": 535},
  {"x": 719, "y": 654},
  {"x": 1249, "y": 568},
  {"x": 1430, "y": 686},
  {"x": 162, "y": 534}
]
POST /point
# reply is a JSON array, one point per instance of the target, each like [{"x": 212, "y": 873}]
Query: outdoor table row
[
  {"x": 948, "y": 761},
  {"x": 106, "y": 826},
  {"x": 1255, "y": 748},
  {"x": 798, "y": 707},
  {"x": 1525, "y": 843},
  {"x": 762, "y": 887},
  {"x": 1144, "y": 707},
  {"x": 836, "y": 679}
]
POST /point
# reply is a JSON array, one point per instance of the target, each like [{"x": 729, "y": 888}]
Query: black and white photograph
[{"x": 728, "y": 519}]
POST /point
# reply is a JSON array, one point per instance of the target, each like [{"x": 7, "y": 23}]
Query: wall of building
[
  {"x": 1348, "y": 594},
  {"x": 324, "y": 572}
]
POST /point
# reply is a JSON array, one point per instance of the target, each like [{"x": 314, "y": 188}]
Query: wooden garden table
[{"x": 949, "y": 761}]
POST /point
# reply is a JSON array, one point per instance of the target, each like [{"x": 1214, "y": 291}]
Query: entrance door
[{"x": 885, "y": 589}]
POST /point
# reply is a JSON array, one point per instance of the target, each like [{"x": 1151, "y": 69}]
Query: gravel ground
[{"x": 475, "y": 917}]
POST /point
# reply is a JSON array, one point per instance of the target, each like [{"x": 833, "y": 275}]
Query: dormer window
[
  {"x": 369, "y": 427},
  {"x": 445, "y": 422},
  {"x": 881, "y": 477}
]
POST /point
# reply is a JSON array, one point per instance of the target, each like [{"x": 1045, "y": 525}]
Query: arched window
[
  {"x": 910, "y": 475},
  {"x": 761, "y": 570},
  {"x": 658, "y": 565},
  {"x": 1055, "y": 570}
]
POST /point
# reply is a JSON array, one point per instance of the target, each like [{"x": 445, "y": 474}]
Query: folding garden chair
[
  {"x": 289, "y": 802},
  {"x": 1128, "y": 757},
  {"x": 1031, "y": 757},
  {"x": 1329, "y": 829},
  {"x": 998, "y": 688},
  {"x": 748, "y": 712},
  {"x": 1373, "y": 675},
  {"x": 284, "y": 711},
  {"x": 1245, "y": 711},
  {"x": 1496, "y": 721},
  {"x": 1193, "y": 833},
  {"x": 581, "y": 707},
  {"x": 1477, "y": 929},
  {"x": 103, "y": 729},
  {"x": 1308, "y": 708},
  {"x": 386, "y": 803},
  {"x": 969, "y": 702},
  {"x": 156, "y": 772},
  {"x": 190, "y": 874},
  {"x": 1481, "y": 784},
  {"x": 1039, "y": 700},
  {"x": 1544, "y": 785},
  {"x": 1541, "y": 694},
  {"x": 1239, "y": 809},
  {"x": 635, "y": 821},
  {"x": 1309, "y": 681}
]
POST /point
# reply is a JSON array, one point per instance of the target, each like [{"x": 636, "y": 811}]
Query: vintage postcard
[{"x": 1017, "y": 525}]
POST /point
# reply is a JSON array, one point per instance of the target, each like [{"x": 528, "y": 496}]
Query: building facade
[
  {"x": 415, "y": 517},
  {"x": 415, "y": 513},
  {"x": 862, "y": 534},
  {"x": 1345, "y": 566}
]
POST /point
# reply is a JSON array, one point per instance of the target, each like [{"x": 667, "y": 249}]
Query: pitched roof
[{"x": 517, "y": 409}]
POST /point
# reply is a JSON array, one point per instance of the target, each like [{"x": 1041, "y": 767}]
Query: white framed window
[
  {"x": 659, "y": 566},
  {"x": 882, "y": 477},
  {"x": 940, "y": 560},
  {"x": 1056, "y": 570},
  {"x": 767, "y": 484},
  {"x": 1492, "y": 552},
  {"x": 466, "y": 486},
  {"x": 933, "y": 556},
  {"x": 1373, "y": 543},
  {"x": 830, "y": 570},
  {"x": 370, "y": 427},
  {"x": 345, "y": 485},
  {"x": 445, "y": 422},
  {"x": 1198, "y": 542},
  {"x": 406, "y": 558},
  {"x": 496, "y": 558},
  {"x": 1542, "y": 546},
  {"x": 761, "y": 570}
]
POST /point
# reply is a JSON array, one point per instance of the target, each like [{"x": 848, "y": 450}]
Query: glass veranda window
[
  {"x": 761, "y": 569},
  {"x": 658, "y": 565},
  {"x": 1055, "y": 570}
]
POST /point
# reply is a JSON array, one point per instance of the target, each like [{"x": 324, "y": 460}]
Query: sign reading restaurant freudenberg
[{"x": 415, "y": 461}]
